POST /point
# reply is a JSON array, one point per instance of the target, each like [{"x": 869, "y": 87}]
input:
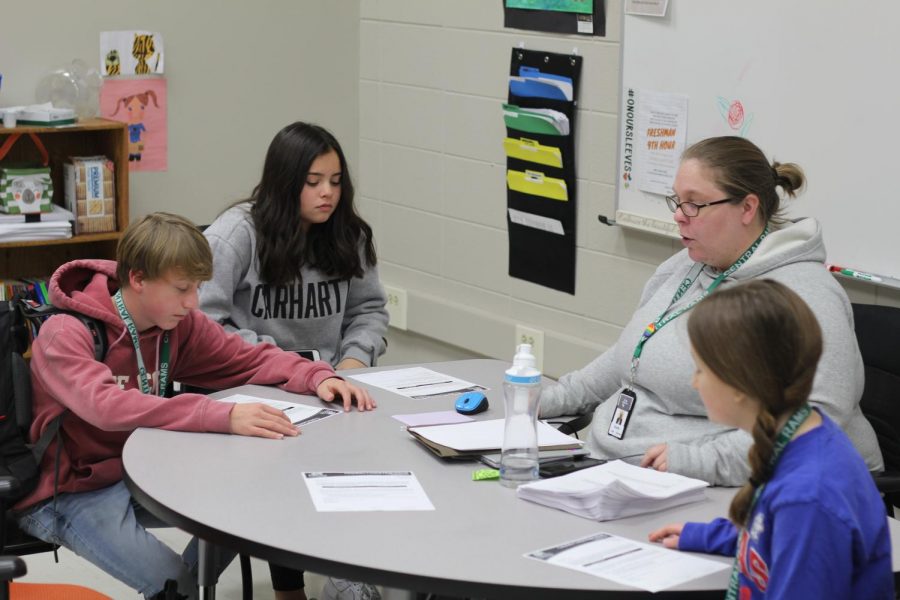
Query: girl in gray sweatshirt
[{"x": 295, "y": 265}]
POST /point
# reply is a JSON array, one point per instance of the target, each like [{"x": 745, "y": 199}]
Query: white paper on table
[
  {"x": 488, "y": 434},
  {"x": 440, "y": 417},
  {"x": 299, "y": 414},
  {"x": 652, "y": 568},
  {"x": 642, "y": 482},
  {"x": 416, "y": 382},
  {"x": 366, "y": 491}
]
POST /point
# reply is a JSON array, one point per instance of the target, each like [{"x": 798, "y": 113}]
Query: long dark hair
[
  {"x": 281, "y": 244},
  {"x": 763, "y": 340}
]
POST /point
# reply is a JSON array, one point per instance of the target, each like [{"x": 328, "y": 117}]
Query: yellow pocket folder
[
  {"x": 532, "y": 151},
  {"x": 535, "y": 184}
]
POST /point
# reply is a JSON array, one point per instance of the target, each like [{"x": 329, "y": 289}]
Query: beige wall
[
  {"x": 432, "y": 81},
  {"x": 413, "y": 89},
  {"x": 237, "y": 72},
  {"x": 432, "y": 77}
]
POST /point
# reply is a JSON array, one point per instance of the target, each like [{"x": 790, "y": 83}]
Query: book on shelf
[{"x": 614, "y": 490}]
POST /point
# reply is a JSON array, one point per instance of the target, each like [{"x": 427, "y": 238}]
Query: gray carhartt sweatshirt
[
  {"x": 341, "y": 318},
  {"x": 669, "y": 410}
]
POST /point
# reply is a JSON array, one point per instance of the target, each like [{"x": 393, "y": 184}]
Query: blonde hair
[
  {"x": 740, "y": 168},
  {"x": 762, "y": 339},
  {"x": 160, "y": 242}
]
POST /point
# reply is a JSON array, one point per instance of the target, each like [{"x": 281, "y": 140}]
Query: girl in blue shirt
[{"x": 810, "y": 522}]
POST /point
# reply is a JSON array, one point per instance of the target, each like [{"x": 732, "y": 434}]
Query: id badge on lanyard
[
  {"x": 627, "y": 397},
  {"x": 622, "y": 414}
]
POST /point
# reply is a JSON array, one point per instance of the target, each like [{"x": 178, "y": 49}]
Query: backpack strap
[
  {"x": 37, "y": 313},
  {"x": 40, "y": 446}
]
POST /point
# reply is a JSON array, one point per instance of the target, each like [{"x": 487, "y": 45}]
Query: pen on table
[
  {"x": 624, "y": 457},
  {"x": 854, "y": 274}
]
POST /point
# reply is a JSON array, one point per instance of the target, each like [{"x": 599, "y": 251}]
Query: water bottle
[{"x": 521, "y": 390}]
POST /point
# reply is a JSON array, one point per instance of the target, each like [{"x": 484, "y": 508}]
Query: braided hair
[{"x": 763, "y": 340}]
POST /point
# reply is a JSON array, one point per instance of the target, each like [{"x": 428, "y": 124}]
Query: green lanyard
[
  {"x": 664, "y": 318},
  {"x": 143, "y": 376},
  {"x": 784, "y": 436}
]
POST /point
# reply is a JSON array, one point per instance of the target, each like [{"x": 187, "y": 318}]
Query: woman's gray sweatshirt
[{"x": 669, "y": 410}]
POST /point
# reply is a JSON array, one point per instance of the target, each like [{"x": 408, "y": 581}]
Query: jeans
[{"x": 109, "y": 528}]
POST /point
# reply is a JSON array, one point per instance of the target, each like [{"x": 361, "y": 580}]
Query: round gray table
[{"x": 247, "y": 494}]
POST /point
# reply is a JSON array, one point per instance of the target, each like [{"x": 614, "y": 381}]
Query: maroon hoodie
[{"x": 104, "y": 399}]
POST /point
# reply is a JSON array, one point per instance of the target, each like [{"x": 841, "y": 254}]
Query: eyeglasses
[{"x": 692, "y": 209}]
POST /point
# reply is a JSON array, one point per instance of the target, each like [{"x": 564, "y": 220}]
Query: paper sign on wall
[
  {"x": 660, "y": 132},
  {"x": 131, "y": 53},
  {"x": 143, "y": 105}
]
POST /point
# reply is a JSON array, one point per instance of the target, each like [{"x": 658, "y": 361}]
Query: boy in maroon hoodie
[{"x": 155, "y": 334}]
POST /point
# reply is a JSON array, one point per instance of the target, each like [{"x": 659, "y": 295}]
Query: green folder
[{"x": 521, "y": 120}]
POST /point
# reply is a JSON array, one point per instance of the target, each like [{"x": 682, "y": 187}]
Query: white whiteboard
[{"x": 820, "y": 84}]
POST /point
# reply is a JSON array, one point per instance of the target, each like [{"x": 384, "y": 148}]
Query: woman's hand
[
  {"x": 668, "y": 535},
  {"x": 656, "y": 457},
  {"x": 350, "y": 363},
  {"x": 333, "y": 388}
]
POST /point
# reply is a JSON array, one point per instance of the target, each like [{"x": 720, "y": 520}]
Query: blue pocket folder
[{"x": 531, "y": 83}]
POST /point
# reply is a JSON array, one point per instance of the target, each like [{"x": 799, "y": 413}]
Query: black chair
[
  {"x": 878, "y": 332},
  {"x": 12, "y": 539}
]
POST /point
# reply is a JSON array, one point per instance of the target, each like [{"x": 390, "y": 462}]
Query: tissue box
[
  {"x": 24, "y": 191},
  {"x": 91, "y": 193}
]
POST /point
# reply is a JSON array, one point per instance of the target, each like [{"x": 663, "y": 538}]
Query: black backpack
[{"x": 20, "y": 320}]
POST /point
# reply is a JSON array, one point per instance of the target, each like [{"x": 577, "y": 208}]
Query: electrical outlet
[
  {"x": 535, "y": 337},
  {"x": 396, "y": 306}
]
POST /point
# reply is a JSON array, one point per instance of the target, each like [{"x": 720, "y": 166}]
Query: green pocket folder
[{"x": 531, "y": 122}]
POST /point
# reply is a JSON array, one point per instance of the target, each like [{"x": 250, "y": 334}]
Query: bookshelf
[{"x": 88, "y": 137}]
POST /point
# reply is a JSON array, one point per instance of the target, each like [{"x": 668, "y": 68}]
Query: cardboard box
[
  {"x": 24, "y": 191},
  {"x": 90, "y": 193}
]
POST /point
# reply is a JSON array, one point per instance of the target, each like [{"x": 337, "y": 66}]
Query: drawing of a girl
[{"x": 135, "y": 105}]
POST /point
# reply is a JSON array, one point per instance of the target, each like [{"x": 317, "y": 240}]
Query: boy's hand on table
[
  {"x": 260, "y": 420},
  {"x": 334, "y": 389}
]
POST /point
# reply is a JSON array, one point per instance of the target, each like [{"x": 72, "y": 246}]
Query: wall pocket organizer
[{"x": 540, "y": 162}]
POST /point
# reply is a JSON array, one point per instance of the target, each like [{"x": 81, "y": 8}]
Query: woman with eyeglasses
[{"x": 728, "y": 209}]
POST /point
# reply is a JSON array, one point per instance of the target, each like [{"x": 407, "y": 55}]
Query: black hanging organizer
[{"x": 536, "y": 255}]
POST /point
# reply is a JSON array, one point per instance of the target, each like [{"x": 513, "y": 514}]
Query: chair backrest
[{"x": 878, "y": 334}]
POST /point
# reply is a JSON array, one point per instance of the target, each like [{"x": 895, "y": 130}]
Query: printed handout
[
  {"x": 299, "y": 414},
  {"x": 644, "y": 566},
  {"x": 416, "y": 382},
  {"x": 366, "y": 491}
]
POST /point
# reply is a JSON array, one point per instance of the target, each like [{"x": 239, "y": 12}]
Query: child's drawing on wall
[
  {"x": 131, "y": 53},
  {"x": 141, "y": 103},
  {"x": 135, "y": 106}
]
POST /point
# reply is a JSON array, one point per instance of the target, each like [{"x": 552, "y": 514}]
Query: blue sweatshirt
[{"x": 818, "y": 530}]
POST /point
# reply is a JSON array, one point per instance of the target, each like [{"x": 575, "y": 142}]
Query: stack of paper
[
  {"x": 614, "y": 490},
  {"x": 41, "y": 114},
  {"x": 29, "y": 232},
  {"x": 57, "y": 214},
  {"x": 53, "y": 225},
  {"x": 482, "y": 437}
]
